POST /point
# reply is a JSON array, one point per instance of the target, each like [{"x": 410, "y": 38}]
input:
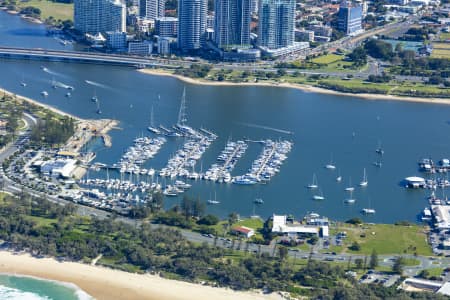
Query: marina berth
[
  {"x": 221, "y": 172},
  {"x": 267, "y": 164}
]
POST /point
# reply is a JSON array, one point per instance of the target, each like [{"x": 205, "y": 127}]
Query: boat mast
[{"x": 182, "y": 113}]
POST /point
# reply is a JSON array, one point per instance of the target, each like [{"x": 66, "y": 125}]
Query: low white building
[
  {"x": 244, "y": 231},
  {"x": 143, "y": 48},
  {"x": 280, "y": 225},
  {"x": 441, "y": 215},
  {"x": 58, "y": 168}
]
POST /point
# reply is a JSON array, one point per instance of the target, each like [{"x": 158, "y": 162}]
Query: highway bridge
[{"x": 86, "y": 57}]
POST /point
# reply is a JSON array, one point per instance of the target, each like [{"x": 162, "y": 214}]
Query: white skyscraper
[
  {"x": 191, "y": 23},
  {"x": 94, "y": 16},
  {"x": 276, "y": 23},
  {"x": 151, "y": 9},
  {"x": 232, "y": 23}
]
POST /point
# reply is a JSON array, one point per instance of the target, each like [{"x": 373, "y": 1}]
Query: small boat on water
[
  {"x": 330, "y": 165},
  {"x": 350, "y": 188},
  {"x": 99, "y": 111},
  {"x": 368, "y": 211},
  {"x": 210, "y": 201},
  {"x": 94, "y": 98},
  {"x": 152, "y": 127},
  {"x": 68, "y": 95},
  {"x": 44, "y": 93},
  {"x": 258, "y": 201},
  {"x": 314, "y": 184},
  {"x": 350, "y": 200},
  {"x": 377, "y": 164},
  {"x": 339, "y": 178},
  {"x": 379, "y": 150},
  {"x": 364, "y": 182},
  {"x": 319, "y": 196}
]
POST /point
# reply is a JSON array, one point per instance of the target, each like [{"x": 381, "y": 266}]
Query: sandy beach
[
  {"x": 302, "y": 87},
  {"x": 29, "y": 100},
  {"x": 104, "y": 283}
]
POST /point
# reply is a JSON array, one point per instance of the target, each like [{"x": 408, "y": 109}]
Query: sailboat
[
  {"x": 368, "y": 211},
  {"x": 319, "y": 196},
  {"x": 314, "y": 184},
  {"x": 339, "y": 178},
  {"x": 379, "y": 150},
  {"x": 330, "y": 165},
  {"x": 99, "y": 111},
  {"x": 350, "y": 200},
  {"x": 350, "y": 188},
  {"x": 23, "y": 83},
  {"x": 152, "y": 127},
  {"x": 210, "y": 201},
  {"x": 364, "y": 182},
  {"x": 94, "y": 98}
]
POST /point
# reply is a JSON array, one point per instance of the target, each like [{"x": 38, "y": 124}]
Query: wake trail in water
[
  {"x": 265, "y": 127},
  {"x": 48, "y": 71},
  {"x": 93, "y": 83}
]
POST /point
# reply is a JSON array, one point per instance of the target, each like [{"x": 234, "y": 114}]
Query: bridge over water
[{"x": 86, "y": 57}]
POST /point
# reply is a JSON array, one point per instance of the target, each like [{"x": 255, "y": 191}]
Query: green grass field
[
  {"x": 444, "y": 36},
  {"x": 388, "y": 239},
  {"x": 327, "y": 59},
  {"x": 440, "y": 53},
  {"x": 59, "y": 11}
]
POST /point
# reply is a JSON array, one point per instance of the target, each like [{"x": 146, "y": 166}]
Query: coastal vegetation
[
  {"x": 52, "y": 130},
  {"x": 44, "y": 228},
  {"x": 11, "y": 113}
]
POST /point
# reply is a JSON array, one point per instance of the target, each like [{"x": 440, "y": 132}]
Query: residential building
[
  {"x": 191, "y": 23},
  {"x": 254, "y": 7},
  {"x": 143, "y": 48},
  {"x": 165, "y": 45},
  {"x": 232, "y": 24},
  {"x": 144, "y": 25},
  {"x": 276, "y": 23},
  {"x": 94, "y": 16},
  {"x": 350, "y": 18},
  {"x": 210, "y": 21},
  {"x": 151, "y": 9},
  {"x": 304, "y": 35},
  {"x": 321, "y": 30},
  {"x": 116, "y": 40},
  {"x": 167, "y": 27}
]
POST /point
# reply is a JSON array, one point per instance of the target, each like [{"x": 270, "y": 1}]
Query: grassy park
[{"x": 59, "y": 11}]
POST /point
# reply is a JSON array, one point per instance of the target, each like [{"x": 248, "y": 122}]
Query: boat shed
[
  {"x": 415, "y": 182},
  {"x": 441, "y": 215},
  {"x": 244, "y": 231}
]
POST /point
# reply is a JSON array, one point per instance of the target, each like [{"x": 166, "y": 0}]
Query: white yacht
[
  {"x": 364, "y": 182},
  {"x": 350, "y": 188},
  {"x": 350, "y": 200},
  {"x": 44, "y": 93},
  {"x": 368, "y": 211},
  {"x": 319, "y": 196},
  {"x": 314, "y": 184}
]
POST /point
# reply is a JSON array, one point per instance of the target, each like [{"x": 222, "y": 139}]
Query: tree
[
  {"x": 232, "y": 218},
  {"x": 373, "y": 263},
  {"x": 355, "y": 246},
  {"x": 283, "y": 253},
  {"x": 209, "y": 220},
  {"x": 358, "y": 56},
  {"x": 398, "y": 265},
  {"x": 359, "y": 263},
  {"x": 379, "y": 49}
]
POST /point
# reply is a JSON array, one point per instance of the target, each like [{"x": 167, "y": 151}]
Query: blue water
[
  {"x": 344, "y": 129},
  {"x": 28, "y": 288}
]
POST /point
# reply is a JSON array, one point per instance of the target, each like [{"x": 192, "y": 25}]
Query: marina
[{"x": 351, "y": 132}]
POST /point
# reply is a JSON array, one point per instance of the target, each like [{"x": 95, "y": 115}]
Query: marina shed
[
  {"x": 244, "y": 231},
  {"x": 415, "y": 182}
]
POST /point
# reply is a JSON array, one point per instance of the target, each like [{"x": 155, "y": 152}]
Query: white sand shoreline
[
  {"x": 104, "y": 283},
  {"x": 302, "y": 87}
]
